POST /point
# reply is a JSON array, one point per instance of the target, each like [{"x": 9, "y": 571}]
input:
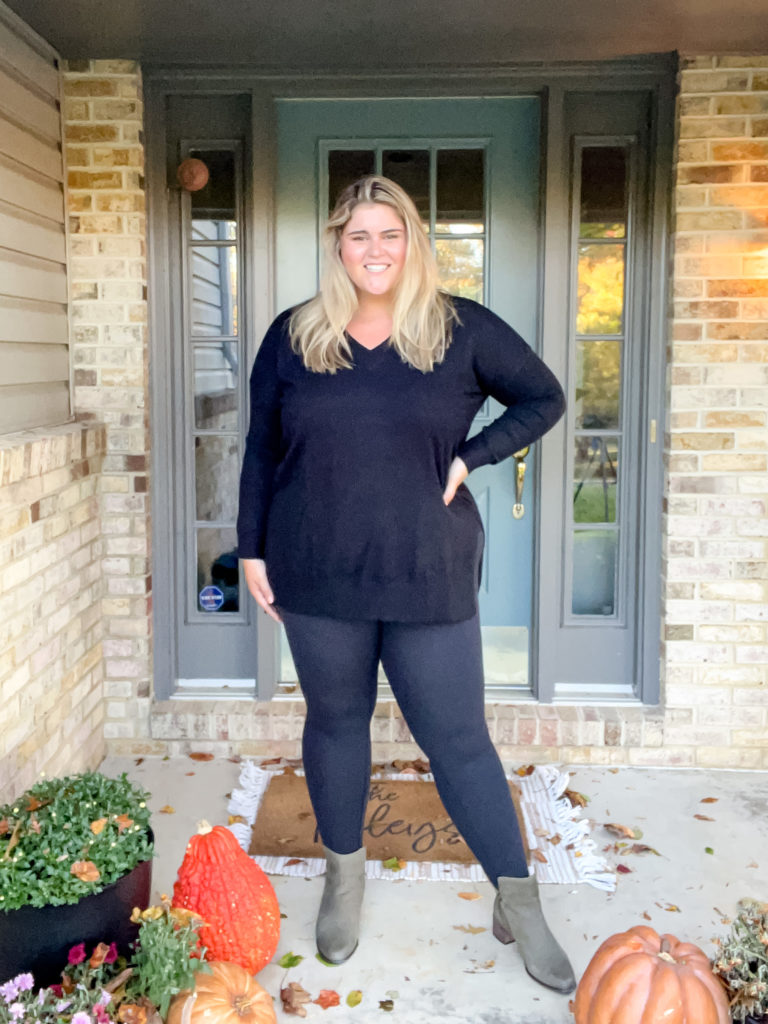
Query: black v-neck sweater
[{"x": 342, "y": 481}]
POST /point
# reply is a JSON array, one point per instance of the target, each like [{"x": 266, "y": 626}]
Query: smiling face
[{"x": 373, "y": 247}]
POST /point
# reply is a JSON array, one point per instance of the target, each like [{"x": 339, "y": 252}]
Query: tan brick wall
[
  {"x": 716, "y": 523},
  {"x": 103, "y": 132},
  {"x": 51, "y": 705}
]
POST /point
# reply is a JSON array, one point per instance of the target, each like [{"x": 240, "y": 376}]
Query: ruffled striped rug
[{"x": 546, "y": 812}]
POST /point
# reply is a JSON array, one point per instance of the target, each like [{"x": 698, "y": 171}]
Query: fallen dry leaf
[
  {"x": 293, "y": 997},
  {"x": 614, "y": 771},
  {"x": 327, "y": 998},
  {"x": 470, "y": 929},
  {"x": 85, "y": 870},
  {"x": 354, "y": 998},
  {"x": 524, "y": 770},
  {"x": 236, "y": 819},
  {"x": 642, "y": 848},
  {"x": 469, "y": 895},
  {"x": 623, "y": 869},
  {"x": 539, "y": 856},
  {"x": 541, "y": 832},
  {"x": 710, "y": 799},
  {"x": 5, "y": 828},
  {"x": 646, "y": 915},
  {"x": 703, "y": 817},
  {"x": 97, "y": 827},
  {"x": 167, "y": 810},
  {"x": 753, "y": 864},
  {"x": 386, "y": 1004},
  {"x": 294, "y": 860},
  {"x": 138, "y": 761},
  {"x": 576, "y": 799},
  {"x": 199, "y": 755},
  {"x": 556, "y": 839},
  {"x": 622, "y": 830},
  {"x": 33, "y": 804},
  {"x": 394, "y": 863},
  {"x": 123, "y": 822},
  {"x": 34, "y": 825},
  {"x": 669, "y": 906}
]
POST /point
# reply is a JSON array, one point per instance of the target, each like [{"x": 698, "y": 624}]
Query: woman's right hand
[{"x": 255, "y": 570}]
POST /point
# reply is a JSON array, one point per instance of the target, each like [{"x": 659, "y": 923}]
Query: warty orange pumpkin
[
  {"x": 641, "y": 977},
  {"x": 228, "y": 995},
  {"x": 221, "y": 883}
]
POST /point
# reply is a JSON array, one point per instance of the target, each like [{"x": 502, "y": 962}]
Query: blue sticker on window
[{"x": 211, "y": 599}]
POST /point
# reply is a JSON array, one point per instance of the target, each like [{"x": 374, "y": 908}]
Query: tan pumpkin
[
  {"x": 641, "y": 977},
  {"x": 228, "y": 995}
]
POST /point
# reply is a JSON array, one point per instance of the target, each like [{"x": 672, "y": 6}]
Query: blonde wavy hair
[{"x": 423, "y": 314}]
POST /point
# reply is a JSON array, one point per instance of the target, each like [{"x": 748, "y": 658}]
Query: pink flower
[
  {"x": 76, "y": 955},
  {"x": 57, "y": 990},
  {"x": 112, "y": 954}
]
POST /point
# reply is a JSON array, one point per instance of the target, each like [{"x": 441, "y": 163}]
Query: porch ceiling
[{"x": 347, "y": 35}]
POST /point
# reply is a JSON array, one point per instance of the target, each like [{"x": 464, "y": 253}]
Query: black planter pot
[{"x": 37, "y": 939}]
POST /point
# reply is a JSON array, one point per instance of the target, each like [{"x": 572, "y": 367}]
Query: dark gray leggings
[{"x": 436, "y": 675}]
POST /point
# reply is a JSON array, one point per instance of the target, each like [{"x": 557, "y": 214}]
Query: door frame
[{"x": 655, "y": 74}]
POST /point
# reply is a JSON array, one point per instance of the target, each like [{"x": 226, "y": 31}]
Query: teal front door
[{"x": 473, "y": 168}]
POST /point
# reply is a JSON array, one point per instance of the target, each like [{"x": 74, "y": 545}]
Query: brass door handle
[{"x": 518, "y": 509}]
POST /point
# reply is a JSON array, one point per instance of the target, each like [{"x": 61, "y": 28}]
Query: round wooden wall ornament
[{"x": 192, "y": 174}]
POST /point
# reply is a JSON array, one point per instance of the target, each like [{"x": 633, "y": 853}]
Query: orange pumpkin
[
  {"x": 228, "y": 995},
  {"x": 221, "y": 883},
  {"x": 641, "y": 977}
]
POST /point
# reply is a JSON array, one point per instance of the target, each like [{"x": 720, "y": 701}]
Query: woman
[{"x": 356, "y": 530}]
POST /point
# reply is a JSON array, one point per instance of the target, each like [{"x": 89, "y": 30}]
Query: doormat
[
  {"x": 402, "y": 820},
  {"x": 556, "y": 834}
]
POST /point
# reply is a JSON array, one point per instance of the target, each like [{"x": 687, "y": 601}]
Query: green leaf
[
  {"x": 708, "y": 849},
  {"x": 323, "y": 961},
  {"x": 290, "y": 960},
  {"x": 355, "y": 997},
  {"x": 393, "y": 864}
]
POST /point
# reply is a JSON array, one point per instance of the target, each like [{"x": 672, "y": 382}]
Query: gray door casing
[{"x": 654, "y": 78}]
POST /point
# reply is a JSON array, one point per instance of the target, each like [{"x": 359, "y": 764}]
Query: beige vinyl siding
[{"x": 34, "y": 333}]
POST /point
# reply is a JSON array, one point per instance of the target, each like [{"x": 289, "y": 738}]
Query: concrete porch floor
[{"x": 411, "y": 947}]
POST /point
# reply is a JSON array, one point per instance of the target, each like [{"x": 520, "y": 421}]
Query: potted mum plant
[{"x": 75, "y": 858}]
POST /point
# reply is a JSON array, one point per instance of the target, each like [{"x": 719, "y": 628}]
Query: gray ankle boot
[
  {"x": 338, "y": 921},
  {"x": 517, "y": 916}
]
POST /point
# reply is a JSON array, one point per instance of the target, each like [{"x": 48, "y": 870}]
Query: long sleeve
[
  {"x": 262, "y": 448},
  {"x": 507, "y": 369}
]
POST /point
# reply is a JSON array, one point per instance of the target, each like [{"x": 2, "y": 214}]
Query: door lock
[{"x": 518, "y": 509}]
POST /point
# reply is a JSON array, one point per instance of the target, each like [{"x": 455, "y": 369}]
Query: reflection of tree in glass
[
  {"x": 598, "y": 385},
  {"x": 602, "y": 230},
  {"x": 601, "y": 289},
  {"x": 595, "y": 480},
  {"x": 461, "y": 266}
]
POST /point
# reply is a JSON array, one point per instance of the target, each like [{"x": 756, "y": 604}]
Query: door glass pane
[
  {"x": 217, "y": 570},
  {"x": 213, "y": 207},
  {"x": 460, "y": 261},
  {"x": 217, "y": 471},
  {"x": 460, "y": 191},
  {"x": 601, "y": 289},
  {"x": 594, "y": 572},
  {"x": 598, "y": 385},
  {"x": 213, "y": 283},
  {"x": 215, "y": 369},
  {"x": 410, "y": 169},
  {"x": 596, "y": 468},
  {"x": 603, "y": 192},
  {"x": 346, "y": 166}
]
